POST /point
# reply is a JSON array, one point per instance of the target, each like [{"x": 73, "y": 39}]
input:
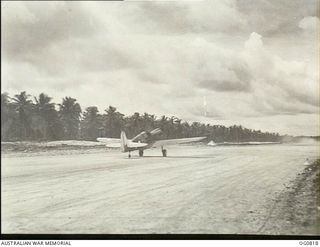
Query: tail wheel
[
  {"x": 140, "y": 153},
  {"x": 164, "y": 152}
]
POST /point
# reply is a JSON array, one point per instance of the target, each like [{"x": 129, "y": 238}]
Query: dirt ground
[
  {"x": 298, "y": 207},
  {"x": 196, "y": 189}
]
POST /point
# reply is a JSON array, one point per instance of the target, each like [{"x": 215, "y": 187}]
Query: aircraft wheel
[
  {"x": 140, "y": 153},
  {"x": 164, "y": 152},
  {"x": 129, "y": 155}
]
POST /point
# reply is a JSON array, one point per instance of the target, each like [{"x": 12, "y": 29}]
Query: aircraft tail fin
[{"x": 123, "y": 141}]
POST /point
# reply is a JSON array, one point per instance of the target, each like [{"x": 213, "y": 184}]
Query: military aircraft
[{"x": 143, "y": 141}]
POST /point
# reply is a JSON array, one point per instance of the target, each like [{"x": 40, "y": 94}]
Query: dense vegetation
[{"x": 39, "y": 119}]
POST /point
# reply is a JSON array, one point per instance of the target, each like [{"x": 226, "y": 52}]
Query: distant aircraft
[{"x": 144, "y": 141}]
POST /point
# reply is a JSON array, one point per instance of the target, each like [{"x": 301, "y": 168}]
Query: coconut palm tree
[
  {"x": 113, "y": 122},
  {"x": 8, "y": 118},
  {"x": 46, "y": 117},
  {"x": 148, "y": 121},
  {"x": 91, "y": 123},
  {"x": 70, "y": 112},
  {"x": 23, "y": 106}
]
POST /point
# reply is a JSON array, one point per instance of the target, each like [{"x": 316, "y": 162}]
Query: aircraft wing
[
  {"x": 176, "y": 141},
  {"x": 129, "y": 144},
  {"x": 108, "y": 140},
  {"x": 136, "y": 144},
  {"x": 116, "y": 143},
  {"x": 113, "y": 145}
]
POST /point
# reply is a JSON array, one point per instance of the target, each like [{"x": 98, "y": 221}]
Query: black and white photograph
[{"x": 153, "y": 117}]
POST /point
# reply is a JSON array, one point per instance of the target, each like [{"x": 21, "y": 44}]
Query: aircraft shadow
[{"x": 173, "y": 157}]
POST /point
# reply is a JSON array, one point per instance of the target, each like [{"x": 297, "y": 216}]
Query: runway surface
[{"x": 196, "y": 189}]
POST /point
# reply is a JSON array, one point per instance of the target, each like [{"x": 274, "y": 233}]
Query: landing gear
[
  {"x": 164, "y": 152},
  {"x": 129, "y": 155},
  {"x": 141, "y": 153}
]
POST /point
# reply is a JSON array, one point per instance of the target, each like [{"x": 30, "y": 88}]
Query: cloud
[
  {"x": 187, "y": 17},
  {"x": 28, "y": 28},
  {"x": 274, "y": 18},
  {"x": 285, "y": 87},
  {"x": 254, "y": 43},
  {"x": 252, "y": 59},
  {"x": 310, "y": 23}
]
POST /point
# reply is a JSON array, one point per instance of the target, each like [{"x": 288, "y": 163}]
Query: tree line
[{"x": 24, "y": 117}]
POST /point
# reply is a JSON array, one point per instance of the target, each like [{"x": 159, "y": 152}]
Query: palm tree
[
  {"x": 46, "y": 116},
  {"x": 113, "y": 122},
  {"x": 70, "y": 112},
  {"x": 167, "y": 126},
  {"x": 148, "y": 121},
  {"x": 4, "y": 109},
  {"x": 23, "y": 106},
  {"x": 134, "y": 124},
  {"x": 8, "y": 118},
  {"x": 43, "y": 104},
  {"x": 91, "y": 123},
  {"x": 185, "y": 129},
  {"x": 171, "y": 127}
]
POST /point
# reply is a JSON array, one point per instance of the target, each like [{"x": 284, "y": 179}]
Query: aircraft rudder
[{"x": 123, "y": 141}]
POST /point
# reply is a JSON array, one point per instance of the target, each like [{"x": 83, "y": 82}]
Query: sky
[{"x": 226, "y": 62}]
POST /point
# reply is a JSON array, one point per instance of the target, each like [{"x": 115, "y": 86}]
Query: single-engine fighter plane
[{"x": 143, "y": 141}]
